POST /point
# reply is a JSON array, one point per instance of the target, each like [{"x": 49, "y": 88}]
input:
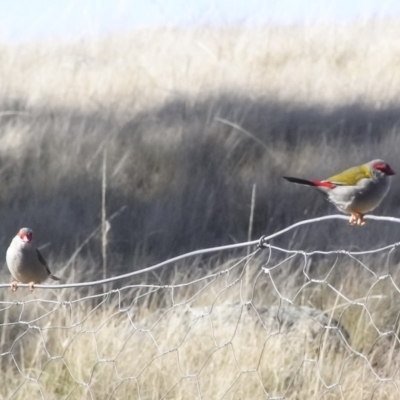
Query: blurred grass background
[{"x": 190, "y": 119}]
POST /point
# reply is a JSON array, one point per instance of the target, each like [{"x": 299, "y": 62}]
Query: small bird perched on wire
[
  {"x": 25, "y": 262},
  {"x": 354, "y": 191}
]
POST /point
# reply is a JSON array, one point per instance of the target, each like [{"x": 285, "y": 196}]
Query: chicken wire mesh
[{"x": 272, "y": 324}]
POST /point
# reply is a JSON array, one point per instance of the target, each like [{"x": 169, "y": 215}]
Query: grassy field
[
  {"x": 178, "y": 125},
  {"x": 320, "y": 327}
]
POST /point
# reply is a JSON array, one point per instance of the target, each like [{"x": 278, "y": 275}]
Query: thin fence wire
[
  {"x": 273, "y": 323},
  {"x": 173, "y": 260}
]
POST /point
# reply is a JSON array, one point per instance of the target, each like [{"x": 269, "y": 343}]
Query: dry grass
[
  {"x": 309, "y": 100},
  {"x": 313, "y": 64},
  {"x": 214, "y": 338},
  {"x": 319, "y": 98}
]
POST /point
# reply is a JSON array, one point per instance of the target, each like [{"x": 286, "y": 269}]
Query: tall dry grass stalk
[{"x": 105, "y": 225}]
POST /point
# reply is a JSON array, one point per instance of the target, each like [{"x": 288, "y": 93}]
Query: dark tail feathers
[{"x": 300, "y": 181}]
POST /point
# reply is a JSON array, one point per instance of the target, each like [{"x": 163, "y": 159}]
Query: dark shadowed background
[{"x": 308, "y": 102}]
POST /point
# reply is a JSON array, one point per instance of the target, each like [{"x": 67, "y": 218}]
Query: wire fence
[{"x": 263, "y": 322}]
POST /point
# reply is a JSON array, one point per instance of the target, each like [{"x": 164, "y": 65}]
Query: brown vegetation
[
  {"x": 313, "y": 99},
  {"x": 190, "y": 120},
  {"x": 212, "y": 332}
]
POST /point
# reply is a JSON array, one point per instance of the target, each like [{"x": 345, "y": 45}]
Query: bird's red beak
[{"x": 389, "y": 171}]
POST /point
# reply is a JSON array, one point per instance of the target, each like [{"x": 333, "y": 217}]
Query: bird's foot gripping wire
[
  {"x": 357, "y": 219},
  {"x": 14, "y": 286},
  {"x": 263, "y": 243}
]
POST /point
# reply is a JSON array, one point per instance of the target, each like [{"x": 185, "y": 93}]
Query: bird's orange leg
[
  {"x": 14, "y": 286},
  {"x": 356, "y": 219},
  {"x": 31, "y": 288}
]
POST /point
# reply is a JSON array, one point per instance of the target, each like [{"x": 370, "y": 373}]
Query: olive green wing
[{"x": 351, "y": 176}]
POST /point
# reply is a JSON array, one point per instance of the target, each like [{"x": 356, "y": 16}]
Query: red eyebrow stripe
[{"x": 326, "y": 184}]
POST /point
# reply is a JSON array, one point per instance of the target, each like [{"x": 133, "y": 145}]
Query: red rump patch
[{"x": 326, "y": 184}]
